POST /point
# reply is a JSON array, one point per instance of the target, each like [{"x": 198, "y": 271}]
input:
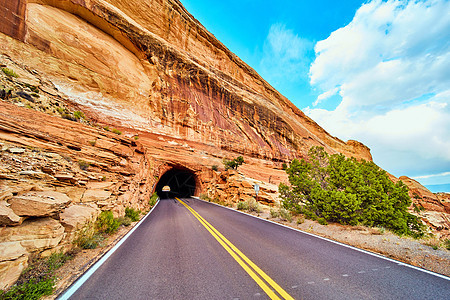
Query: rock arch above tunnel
[{"x": 182, "y": 183}]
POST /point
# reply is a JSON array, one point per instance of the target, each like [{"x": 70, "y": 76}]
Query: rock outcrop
[
  {"x": 152, "y": 66},
  {"x": 56, "y": 175},
  {"x": 433, "y": 209}
]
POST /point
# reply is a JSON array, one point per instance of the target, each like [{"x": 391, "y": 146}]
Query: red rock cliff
[{"x": 150, "y": 65}]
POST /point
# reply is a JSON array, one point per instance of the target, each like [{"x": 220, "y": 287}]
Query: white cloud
[
  {"x": 391, "y": 66},
  {"x": 284, "y": 54},
  {"x": 325, "y": 95}
]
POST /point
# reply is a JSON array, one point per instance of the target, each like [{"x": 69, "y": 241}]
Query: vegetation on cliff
[
  {"x": 234, "y": 163},
  {"x": 347, "y": 191}
]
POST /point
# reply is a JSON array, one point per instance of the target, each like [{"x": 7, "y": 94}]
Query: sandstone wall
[
  {"x": 176, "y": 79},
  {"x": 13, "y": 18},
  {"x": 55, "y": 176}
]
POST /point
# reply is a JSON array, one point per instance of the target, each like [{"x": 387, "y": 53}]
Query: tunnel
[{"x": 182, "y": 184}]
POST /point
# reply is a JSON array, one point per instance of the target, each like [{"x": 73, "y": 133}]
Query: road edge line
[
  {"x": 81, "y": 280},
  {"x": 338, "y": 243}
]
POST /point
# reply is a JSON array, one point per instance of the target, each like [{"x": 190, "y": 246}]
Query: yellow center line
[{"x": 239, "y": 256}]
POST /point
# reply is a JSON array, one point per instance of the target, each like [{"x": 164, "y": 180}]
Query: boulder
[
  {"x": 39, "y": 204},
  {"x": 11, "y": 270},
  {"x": 94, "y": 195},
  {"x": 7, "y": 215},
  {"x": 11, "y": 251},
  {"x": 75, "y": 216},
  {"x": 34, "y": 235}
]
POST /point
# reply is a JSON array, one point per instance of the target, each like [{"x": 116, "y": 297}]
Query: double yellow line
[{"x": 253, "y": 270}]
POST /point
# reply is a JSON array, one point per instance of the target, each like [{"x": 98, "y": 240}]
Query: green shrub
[
  {"x": 153, "y": 199},
  {"x": 106, "y": 223},
  {"x": 69, "y": 117},
  {"x": 125, "y": 221},
  {"x": 233, "y": 164},
  {"x": 10, "y": 72},
  {"x": 31, "y": 290},
  {"x": 285, "y": 214},
  {"x": 322, "y": 221},
  {"x": 447, "y": 244},
  {"x": 215, "y": 167},
  {"x": 116, "y": 131},
  {"x": 300, "y": 220},
  {"x": 84, "y": 165},
  {"x": 347, "y": 191},
  {"x": 242, "y": 205},
  {"x": 106, "y": 127},
  {"x": 78, "y": 115},
  {"x": 132, "y": 214},
  {"x": 92, "y": 143},
  {"x": 274, "y": 213},
  {"x": 136, "y": 137},
  {"x": 88, "y": 237},
  {"x": 253, "y": 206},
  {"x": 38, "y": 279},
  {"x": 205, "y": 197}
]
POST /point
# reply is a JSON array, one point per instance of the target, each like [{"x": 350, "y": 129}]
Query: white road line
[
  {"x": 338, "y": 243},
  {"x": 80, "y": 281}
]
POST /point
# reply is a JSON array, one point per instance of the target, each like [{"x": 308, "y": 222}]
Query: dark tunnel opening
[{"x": 181, "y": 182}]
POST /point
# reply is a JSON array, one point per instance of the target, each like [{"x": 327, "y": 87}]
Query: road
[{"x": 178, "y": 253}]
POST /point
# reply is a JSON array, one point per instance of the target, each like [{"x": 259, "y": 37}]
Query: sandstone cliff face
[
  {"x": 55, "y": 176},
  {"x": 151, "y": 66},
  {"x": 433, "y": 209}
]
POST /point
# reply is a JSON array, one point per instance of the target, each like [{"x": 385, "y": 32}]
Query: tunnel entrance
[{"x": 181, "y": 182}]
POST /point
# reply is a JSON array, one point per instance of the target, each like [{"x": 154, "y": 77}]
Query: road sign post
[{"x": 256, "y": 187}]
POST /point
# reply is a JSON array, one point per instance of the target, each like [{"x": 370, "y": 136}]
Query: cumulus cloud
[
  {"x": 391, "y": 67},
  {"x": 285, "y": 54}
]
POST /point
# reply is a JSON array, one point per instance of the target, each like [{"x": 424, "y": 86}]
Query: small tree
[
  {"x": 233, "y": 164},
  {"x": 339, "y": 189}
]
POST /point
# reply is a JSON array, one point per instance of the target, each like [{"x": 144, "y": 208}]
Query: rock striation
[{"x": 152, "y": 66}]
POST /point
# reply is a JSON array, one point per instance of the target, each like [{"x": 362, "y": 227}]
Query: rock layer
[{"x": 160, "y": 70}]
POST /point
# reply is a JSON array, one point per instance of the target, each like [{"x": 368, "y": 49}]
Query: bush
[
  {"x": 322, "y": 221},
  {"x": 84, "y": 165},
  {"x": 215, "y": 167},
  {"x": 116, "y": 131},
  {"x": 153, "y": 199},
  {"x": 285, "y": 214},
  {"x": 88, "y": 237},
  {"x": 447, "y": 244},
  {"x": 69, "y": 117},
  {"x": 78, "y": 115},
  {"x": 253, "y": 206},
  {"x": 205, "y": 197},
  {"x": 30, "y": 290},
  {"x": 125, "y": 221},
  {"x": 242, "y": 205},
  {"x": 132, "y": 214},
  {"x": 274, "y": 213},
  {"x": 300, "y": 220},
  {"x": 106, "y": 223},
  {"x": 10, "y": 72},
  {"x": 38, "y": 279},
  {"x": 347, "y": 191},
  {"x": 233, "y": 164}
]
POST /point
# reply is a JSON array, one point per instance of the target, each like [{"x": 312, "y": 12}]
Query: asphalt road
[{"x": 172, "y": 255}]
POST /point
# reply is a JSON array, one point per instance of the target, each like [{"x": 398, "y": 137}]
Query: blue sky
[{"x": 375, "y": 71}]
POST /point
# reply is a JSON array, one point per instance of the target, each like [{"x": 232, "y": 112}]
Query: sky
[{"x": 374, "y": 71}]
